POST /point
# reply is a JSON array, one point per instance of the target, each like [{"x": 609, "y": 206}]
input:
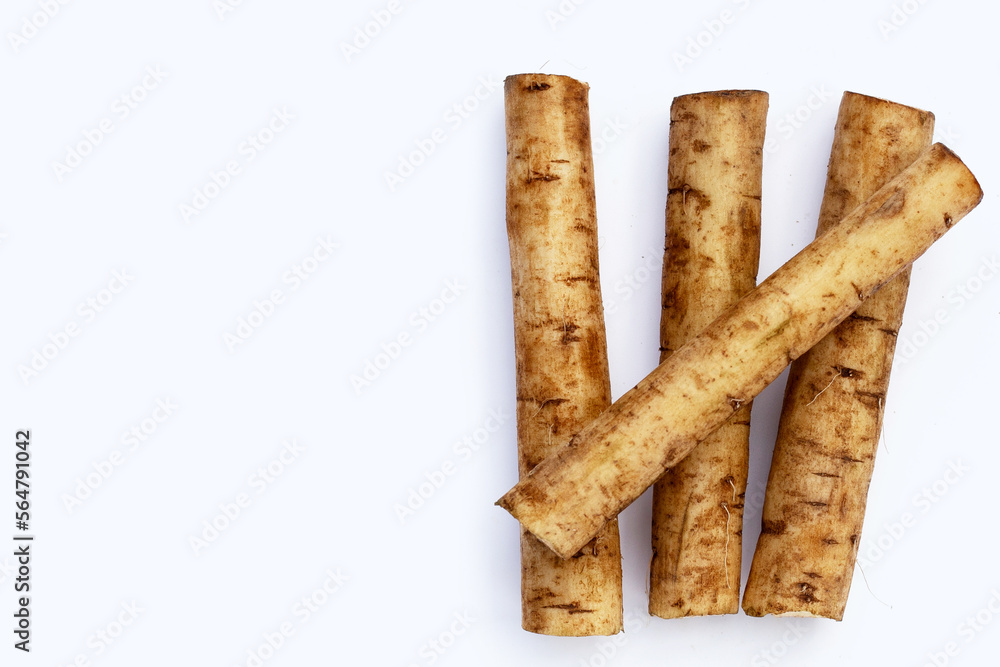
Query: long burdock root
[
  {"x": 710, "y": 261},
  {"x": 569, "y": 497},
  {"x": 559, "y": 337},
  {"x": 831, "y": 419}
]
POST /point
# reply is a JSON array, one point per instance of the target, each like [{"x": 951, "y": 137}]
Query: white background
[{"x": 334, "y": 506}]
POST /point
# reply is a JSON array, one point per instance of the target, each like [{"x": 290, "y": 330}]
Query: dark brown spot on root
[
  {"x": 554, "y": 426},
  {"x": 700, "y": 146},
  {"x": 813, "y": 575},
  {"x": 776, "y": 331},
  {"x": 589, "y": 549},
  {"x": 948, "y": 221},
  {"x": 535, "y": 86},
  {"x": 535, "y": 176},
  {"x": 670, "y": 299},
  {"x": 877, "y": 396},
  {"x": 773, "y": 527},
  {"x": 572, "y": 608},
  {"x": 892, "y": 206},
  {"x": 806, "y": 591},
  {"x": 814, "y": 503},
  {"x": 580, "y": 279},
  {"x": 892, "y": 132},
  {"x": 542, "y": 595},
  {"x": 830, "y": 540},
  {"x": 568, "y": 333},
  {"x": 825, "y": 474},
  {"x": 545, "y": 402},
  {"x": 846, "y": 372},
  {"x": 862, "y": 318},
  {"x": 688, "y": 195}
]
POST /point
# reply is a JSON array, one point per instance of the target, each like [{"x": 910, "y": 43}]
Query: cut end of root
[
  {"x": 557, "y": 630},
  {"x": 538, "y": 82},
  {"x": 947, "y": 153},
  {"x": 850, "y": 96},
  {"x": 757, "y": 613}
]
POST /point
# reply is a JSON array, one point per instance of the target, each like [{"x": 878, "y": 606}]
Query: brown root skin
[
  {"x": 710, "y": 261},
  {"x": 559, "y": 338},
  {"x": 834, "y": 402},
  {"x": 570, "y": 496}
]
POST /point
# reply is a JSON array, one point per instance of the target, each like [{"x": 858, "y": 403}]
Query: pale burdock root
[
  {"x": 569, "y": 497},
  {"x": 710, "y": 260},
  {"x": 831, "y": 419},
  {"x": 559, "y": 338}
]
